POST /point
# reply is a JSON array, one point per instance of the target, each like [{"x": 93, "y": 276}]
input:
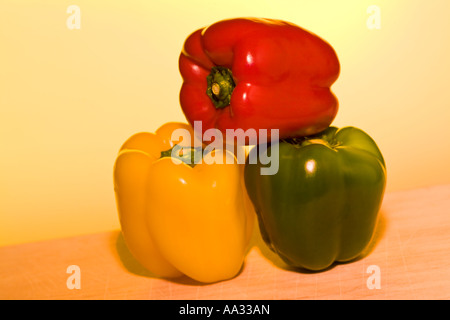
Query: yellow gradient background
[{"x": 70, "y": 98}]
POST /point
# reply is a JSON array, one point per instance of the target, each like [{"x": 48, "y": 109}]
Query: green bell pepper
[{"x": 322, "y": 205}]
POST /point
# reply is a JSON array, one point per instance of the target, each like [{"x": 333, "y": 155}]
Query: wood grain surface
[{"x": 410, "y": 251}]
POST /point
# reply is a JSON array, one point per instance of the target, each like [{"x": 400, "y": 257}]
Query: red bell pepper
[{"x": 261, "y": 74}]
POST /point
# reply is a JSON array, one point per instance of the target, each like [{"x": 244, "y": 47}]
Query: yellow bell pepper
[{"x": 178, "y": 219}]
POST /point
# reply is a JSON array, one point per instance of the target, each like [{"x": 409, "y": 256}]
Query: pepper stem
[
  {"x": 220, "y": 86},
  {"x": 189, "y": 155}
]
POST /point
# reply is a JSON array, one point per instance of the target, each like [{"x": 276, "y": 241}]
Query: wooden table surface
[{"x": 409, "y": 259}]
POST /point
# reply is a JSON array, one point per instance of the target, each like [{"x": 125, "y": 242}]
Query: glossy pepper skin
[
  {"x": 250, "y": 73},
  {"x": 322, "y": 204},
  {"x": 178, "y": 219}
]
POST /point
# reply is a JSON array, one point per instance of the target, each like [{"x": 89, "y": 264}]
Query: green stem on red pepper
[{"x": 220, "y": 86}]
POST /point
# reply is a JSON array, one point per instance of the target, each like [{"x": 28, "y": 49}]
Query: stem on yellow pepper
[{"x": 189, "y": 155}]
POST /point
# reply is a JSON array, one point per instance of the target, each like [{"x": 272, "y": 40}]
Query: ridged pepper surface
[
  {"x": 322, "y": 205},
  {"x": 179, "y": 217},
  {"x": 251, "y": 73}
]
